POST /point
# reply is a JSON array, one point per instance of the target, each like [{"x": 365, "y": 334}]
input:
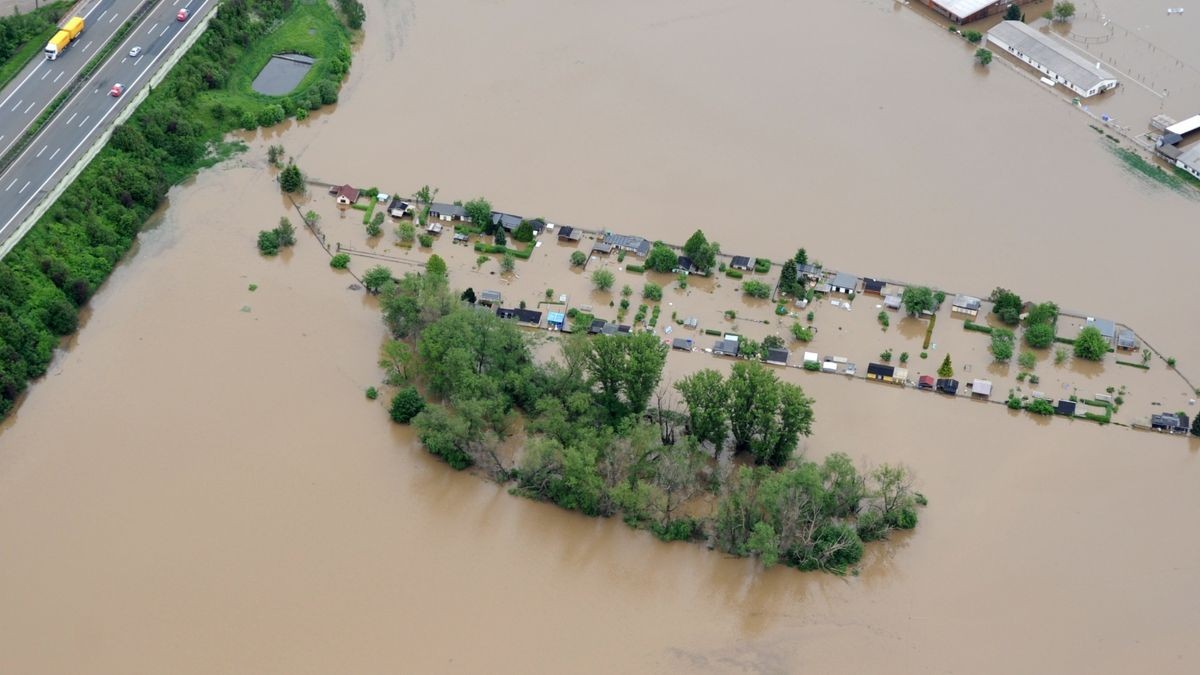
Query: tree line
[
  {"x": 18, "y": 29},
  {"x": 65, "y": 257},
  {"x": 605, "y": 436}
]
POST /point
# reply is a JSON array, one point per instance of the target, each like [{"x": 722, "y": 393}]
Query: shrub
[
  {"x": 372, "y": 393},
  {"x": 978, "y": 328},
  {"x": 373, "y": 228},
  {"x": 924, "y": 355},
  {"x": 1039, "y": 406},
  {"x": 652, "y": 291},
  {"x": 268, "y": 242},
  {"x": 426, "y": 240},
  {"x": 661, "y": 258},
  {"x": 973, "y": 36},
  {"x": 903, "y": 357},
  {"x": 810, "y": 317},
  {"x": 406, "y": 404},
  {"x": 578, "y": 258},
  {"x": 883, "y": 319},
  {"x": 762, "y": 265},
  {"x": 781, "y": 310},
  {"x": 603, "y": 279},
  {"x": 1060, "y": 355},
  {"x": 1013, "y": 402},
  {"x": 756, "y": 289},
  {"x": 1039, "y": 335},
  {"x": 1091, "y": 344},
  {"x": 340, "y": 261},
  {"x": 374, "y": 278},
  {"x": 733, "y": 274},
  {"x": 802, "y": 333},
  {"x": 1027, "y": 360},
  {"x": 636, "y": 269},
  {"x": 1002, "y": 344},
  {"x": 885, "y": 355},
  {"x": 812, "y": 365},
  {"x": 524, "y": 232}
]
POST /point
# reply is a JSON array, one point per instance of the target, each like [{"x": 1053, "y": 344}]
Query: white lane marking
[
  {"x": 41, "y": 151},
  {"x": 1, "y": 137},
  {"x": 18, "y": 87},
  {"x": 72, "y": 117},
  {"x": 114, "y": 18},
  {"x": 101, "y": 14},
  {"x": 59, "y": 75},
  {"x": 31, "y": 104},
  {"x": 55, "y": 154},
  {"x": 85, "y": 120},
  {"x": 89, "y": 44},
  {"x": 151, "y": 29},
  {"x": 165, "y": 29},
  {"x": 123, "y": 60},
  {"x": 18, "y": 105},
  {"x": 72, "y": 151},
  {"x": 175, "y": 3},
  {"x": 22, "y": 190},
  {"x": 138, "y": 60},
  {"x": 44, "y": 75},
  {"x": 10, "y": 185}
]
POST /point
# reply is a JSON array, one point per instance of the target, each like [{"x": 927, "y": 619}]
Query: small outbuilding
[
  {"x": 843, "y": 283},
  {"x": 727, "y": 347},
  {"x": 777, "y": 356},
  {"x": 398, "y": 208},
  {"x": 741, "y": 262},
  {"x": 807, "y": 271},
  {"x": 347, "y": 195},
  {"x": 601, "y": 248},
  {"x": 981, "y": 388},
  {"x": 1065, "y": 407},
  {"x": 966, "y": 305},
  {"x": 1171, "y": 423},
  {"x": 947, "y": 385},
  {"x": 810, "y": 357},
  {"x": 873, "y": 286},
  {"x": 881, "y": 372},
  {"x": 556, "y": 320},
  {"x": 624, "y": 242},
  {"x": 447, "y": 212},
  {"x": 1126, "y": 340},
  {"x": 926, "y": 382},
  {"x": 892, "y": 302},
  {"x": 568, "y": 233},
  {"x": 1107, "y": 328},
  {"x": 489, "y": 298},
  {"x": 683, "y": 264},
  {"x": 525, "y": 317},
  {"x": 597, "y": 327},
  {"x": 682, "y": 344}
]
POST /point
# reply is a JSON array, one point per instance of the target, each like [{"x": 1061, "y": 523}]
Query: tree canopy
[
  {"x": 661, "y": 258},
  {"x": 479, "y": 212},
  {"x": 1091, "y": 344},
  {"x": 702, "y": 253},
  {"x": 917, "y": 299}
]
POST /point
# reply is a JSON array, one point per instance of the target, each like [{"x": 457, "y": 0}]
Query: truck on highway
[{"x": 65, "y": 36}]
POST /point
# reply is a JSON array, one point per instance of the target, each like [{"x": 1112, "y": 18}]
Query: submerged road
[
  {"x": 66, "y": 138},
  {"x": 42, "y": 80}
]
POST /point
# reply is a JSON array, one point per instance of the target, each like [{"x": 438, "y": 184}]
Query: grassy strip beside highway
[
  {"x": 96, "y": 61},
  {"x": 68, "y": 253},
  {"x": 23, "y": 36}
]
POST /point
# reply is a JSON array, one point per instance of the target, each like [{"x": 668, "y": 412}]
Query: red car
[
  {"x": 116, "y": 90},
  {"x": 182, "y": 15}
]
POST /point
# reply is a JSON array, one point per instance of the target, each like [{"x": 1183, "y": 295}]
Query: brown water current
[{"x": 200, "y": 486}]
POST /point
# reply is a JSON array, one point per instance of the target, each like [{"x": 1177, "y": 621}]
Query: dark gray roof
[
  {"x": 1065, "y": 407},
  {"x": 683, "y": 263},
  {"x": 506, "y": 220},
  {"x": 810, "y": 270},
  {"x": 636, "y": 245},
  {"x": 601, "y": 247},
  {"x": 844, "y": 280},
  {"x": 568, "y": 232},
  {"x": 1168, "y": 421},
  {"x": 454, "y": 210},
  {"x": 777, "y": 355},
  {"x": 880, "y": 369},
  {"x": 727, "y": 347},
  {"x": 1126, "y": 339},
  {"x": 682, "y": 343},
  {"x": 397, "y": 204},
  {"x": 490, "y": 296},
  {"x": 522, "y": 315},
  {"x": 597, "y": 326},
  {"x": 876, "y": 285},
  {"x": 740, "y": 261}
]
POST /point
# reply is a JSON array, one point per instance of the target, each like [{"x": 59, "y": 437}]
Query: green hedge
[
  {"x": 733, "y": 274},
  {"x": 971, "y": 325},
  {"x": 1063, "y": 340},
  {"x": 762, "y": 265},
  {"x": 523, "y": 254},
  {"x": 636, "y": 269},
  {"x": 1133, "y": 365},
  {"x": 709, "y": 331}
]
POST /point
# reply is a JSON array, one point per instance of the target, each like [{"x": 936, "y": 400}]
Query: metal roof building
[
  {"x": 1052, "y": 57},
  {"x": 966, "y": 11},
  {"x": 1189, "y": 160}
]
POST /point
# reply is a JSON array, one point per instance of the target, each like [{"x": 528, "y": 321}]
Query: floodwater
[
  {"x": 281, "y": 74},
  {"x": 199, "y": 485}
]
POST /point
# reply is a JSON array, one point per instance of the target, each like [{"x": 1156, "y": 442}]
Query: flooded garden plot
[{"x": 851, "y": 330}]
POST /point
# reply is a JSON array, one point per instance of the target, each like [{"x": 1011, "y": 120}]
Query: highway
[
  {"x": 42, "y": 80},
  {"x": 67, "y": 137}
]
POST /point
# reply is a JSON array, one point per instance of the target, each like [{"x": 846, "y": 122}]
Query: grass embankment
[
  {"x": 24, "y": 36},
  {"x": 55, "y": 269},
  {"x": 1176, "y": 179}
]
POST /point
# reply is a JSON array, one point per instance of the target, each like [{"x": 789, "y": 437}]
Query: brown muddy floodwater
[{"x": 199, "y": 486}]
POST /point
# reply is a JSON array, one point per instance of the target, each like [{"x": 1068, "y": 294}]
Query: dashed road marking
[
  {"x": 59, "y": 75},
  {"x": 31, "y": 104},
  {"x": 41, "y": 151},
  {"x": 151, "y": 29},
  {"x": 85, "y": 120},
  {"x": 72, "y": 117},
  {"x": 22, "y": 190},
  {"x": 18, "y": 105},
  {"x": 55, "y": 154}
]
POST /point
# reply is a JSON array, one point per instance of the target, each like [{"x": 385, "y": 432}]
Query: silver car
[{"x": 135, "y": 52}]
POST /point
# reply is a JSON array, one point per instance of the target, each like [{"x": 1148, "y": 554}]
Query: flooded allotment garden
[{"x": 199, "y": 484}]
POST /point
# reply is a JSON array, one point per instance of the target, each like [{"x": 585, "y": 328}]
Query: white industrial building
[
  {"x": 1189, "y": 160},
  {"x": 1057, "y": 61}
]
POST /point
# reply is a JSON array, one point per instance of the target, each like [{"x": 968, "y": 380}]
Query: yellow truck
[{"x": 65, "y": 36}]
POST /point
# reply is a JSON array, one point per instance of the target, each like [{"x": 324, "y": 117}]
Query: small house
[
  {"x": 1126, "y": 340},
  {"x": 892, "y": 302},
  {"x": 490, "y": 298},
  {"x": 597, "y": 327},
  {"x": 874, "y": 286},
  {"x": 1107, "y": 328},
  {"x": 829, "y": 367},
  {"x": 398, "y": 208},
  {"x": 556, "y": 320},
  {"x": 682, "y": 344},
  {"x": 568, "y": 233},
  {"x": 947, "y": 385},
  {"x": 1171, "y": 423},
  {"x": 807, "y": 271},
  {"x": 981, "y": 388},
  {"x": 347, "y": 195},
  {"x": 880, "y": 371},
  {"x": 727, "y": 347},
  {"x": 966, "y": 305},
  {"x": 525, "y": 317},
  {"x": 777, "y": 356},
  {"x": 433, "y": 228},
  {"x": 506, "y": 220},
  {"x": 843, "y": 283},
  {"x": 447, "y": 211},
  {"x": 691, "y": 322},
  {"x": 683, "y": 264},
  {"x": 926, "y": 382},
  {"x": 741, "y": 262},
  {"x": 635, "y": 245},
  {"x": 1065, "y": 407}
]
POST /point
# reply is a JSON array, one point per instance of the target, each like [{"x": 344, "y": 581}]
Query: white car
[{"x": 135, "y": 52}]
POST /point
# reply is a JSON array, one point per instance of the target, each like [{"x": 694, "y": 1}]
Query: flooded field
[{"x": 200, "y": 486}]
